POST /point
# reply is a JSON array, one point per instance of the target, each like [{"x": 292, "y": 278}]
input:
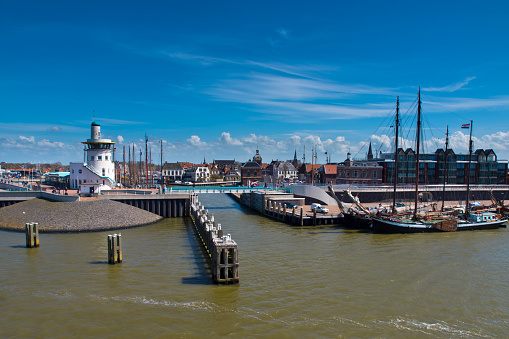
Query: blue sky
[{"x": 221, "y": 79}]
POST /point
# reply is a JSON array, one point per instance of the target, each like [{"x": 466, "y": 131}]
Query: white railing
[{"x": 96, "y": 172}]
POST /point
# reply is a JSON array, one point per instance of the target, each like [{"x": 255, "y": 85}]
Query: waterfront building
[
  {"x": 354, "y": 172},
  {"x": 57, "y": 179},
  {"x": 172, "y": 172},
  {"x": 328, "y": 174},
  {"x": 197, "y": 173},
  {"x": 251, "y": 171},
  {"x": 222, "y": 165},
  {"x": 232, "y": 175},
  {"x": 97, "y": 171},
  {"x": 485, "y": 168},
  {"x": 281, "y": 171},
  {"x": 309, "y": 171}
]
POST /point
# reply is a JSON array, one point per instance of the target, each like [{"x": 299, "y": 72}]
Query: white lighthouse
[{"x": 97, "y": 172}]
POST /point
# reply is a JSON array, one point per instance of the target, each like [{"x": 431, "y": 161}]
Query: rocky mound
[{"x": 78, "y": 216}]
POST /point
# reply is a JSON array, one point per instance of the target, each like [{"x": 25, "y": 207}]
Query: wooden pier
[
  {"x": 221, "y": 249},
  {"x": 271, "y": 205}
]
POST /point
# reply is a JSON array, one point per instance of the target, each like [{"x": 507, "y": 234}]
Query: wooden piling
[
  {"x": 114, "y": 249},
  {"x": 32, "y": 234},
  {"x": 293, "y": 216},
  {"x": 314, "y": 217},
  {"x": 302, "y": 216}
]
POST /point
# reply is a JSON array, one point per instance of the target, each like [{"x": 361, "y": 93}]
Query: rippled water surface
[{"x": 295, "y": 282}]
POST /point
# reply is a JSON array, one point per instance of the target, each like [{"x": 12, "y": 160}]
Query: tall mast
[
  {"x": 135, "y": 178},
  {"x": 467, "y": 212},
  {"x": 129, "y": 162},
  {"x": 146, "y": 159},
  {"x": 312, "y": 165},
  {"x": 124, "y": 166},
  {"x": 396, "y": 157},
  {"x": 418, "y": 141},
  {"x": 140, "y": 181},
  {"x": 162, "y": 177},
  {"x": 446, "y": 172}
]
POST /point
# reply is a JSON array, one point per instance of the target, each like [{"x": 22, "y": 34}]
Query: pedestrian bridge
[{"x": 190, "y": 190}]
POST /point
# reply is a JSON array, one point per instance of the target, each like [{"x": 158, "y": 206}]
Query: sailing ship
[{"x": 433, "y": 222}]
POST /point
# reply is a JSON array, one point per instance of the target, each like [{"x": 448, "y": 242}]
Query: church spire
[{"x": 370, "y": 152}]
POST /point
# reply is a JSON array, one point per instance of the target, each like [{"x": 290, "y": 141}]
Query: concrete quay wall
[
  {"x": 435, "y": 193},
  {"x": 12, "y": 197},
  {"x": 164, "y": 205}
]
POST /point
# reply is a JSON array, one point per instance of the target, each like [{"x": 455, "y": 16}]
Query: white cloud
[
  {"x": 120, "y": 139},
  {"x": 195, "y": 141},
  {"x": 228, "y": 140},
  {"x": 25, "y": 139}
]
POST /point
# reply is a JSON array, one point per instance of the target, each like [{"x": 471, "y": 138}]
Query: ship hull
[{"x": 389, "y": 226}]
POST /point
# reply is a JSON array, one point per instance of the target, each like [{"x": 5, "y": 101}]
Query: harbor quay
[{"x": 72, "y": 213}]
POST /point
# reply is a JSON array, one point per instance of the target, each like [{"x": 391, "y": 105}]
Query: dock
[{"x": 270, "y": 205}]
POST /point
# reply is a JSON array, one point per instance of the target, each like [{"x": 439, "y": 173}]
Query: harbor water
[{"x": 294, "y": 282}]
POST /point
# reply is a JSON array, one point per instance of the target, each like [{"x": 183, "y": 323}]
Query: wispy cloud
[
  {"x": 298, "y": 97},
  {"x": 32, "y": 149},
  {"x": 38, "y": 127},
  {"x": 118, "y": 122},
  {"x": 462, "y": 104},
  {"x": 450, "y": 88}
]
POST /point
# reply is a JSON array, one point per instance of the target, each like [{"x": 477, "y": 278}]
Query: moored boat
[{"x": 442, "y": 222}]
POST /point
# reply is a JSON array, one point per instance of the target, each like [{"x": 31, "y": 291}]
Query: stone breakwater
[{"x": 78, "y": 216}]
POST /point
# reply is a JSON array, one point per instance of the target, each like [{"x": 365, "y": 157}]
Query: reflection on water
[{"x": 305, "y": 282}]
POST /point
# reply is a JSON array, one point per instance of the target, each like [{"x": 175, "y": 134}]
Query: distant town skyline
[{"x": 220, "y": 80}]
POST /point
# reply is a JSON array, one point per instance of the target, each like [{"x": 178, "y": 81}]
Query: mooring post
[
  {"x": 314, "y": 217},
  {"x": 293, "y": 215},
  {"x": 119, "y": 248},
  {"x": 284, "y": 212},
  {"x": 32, "y": 234},
  {"x": 114, "y": 249},
  {"x": 302, "y": 216}
]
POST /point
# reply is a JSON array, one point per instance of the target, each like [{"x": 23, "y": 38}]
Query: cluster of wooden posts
[
  {"x": 278, "y": 211},
  {"x": 221, "y": 249},
  {"x": 114, "y": 249},
  {"x": 295, "y": 217},
  {"x": 32, "y": 234}
]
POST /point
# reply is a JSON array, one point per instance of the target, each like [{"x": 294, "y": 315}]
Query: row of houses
[
  {"x": 218, "y": 170},
  {"x": 434, "y": 168}
]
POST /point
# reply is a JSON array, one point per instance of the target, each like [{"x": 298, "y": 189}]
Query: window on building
[
  {"x": 99, "y": 157},
  {"x": 364, "y": 174},
  {"x": 374, "y": 174},
  {"x": 104, "y": 172},
  {"x": 355, "y": 174},
  {"x": 72, "y": 171},
  {"x": 80, "y": 171}
]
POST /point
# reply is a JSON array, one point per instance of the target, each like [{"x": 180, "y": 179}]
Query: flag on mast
[{"x": 467, "y": 126}]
